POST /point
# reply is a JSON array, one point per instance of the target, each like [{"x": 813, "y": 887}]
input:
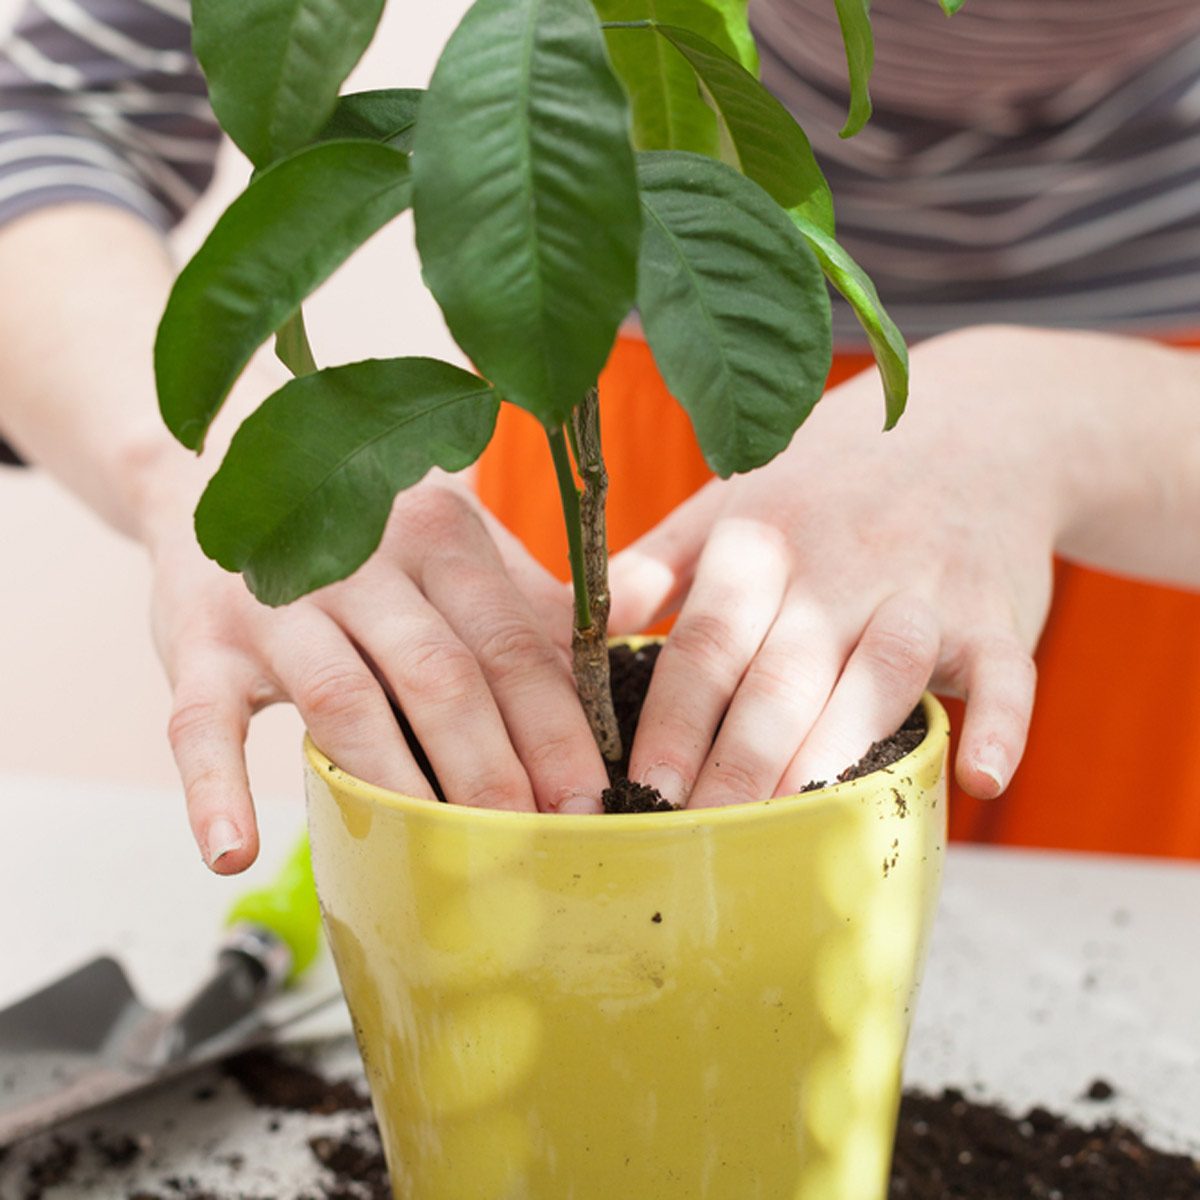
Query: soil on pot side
[{"x": 948, "y": 1147}]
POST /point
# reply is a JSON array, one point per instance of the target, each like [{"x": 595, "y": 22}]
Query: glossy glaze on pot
[{"x": 704, "y": 1005}]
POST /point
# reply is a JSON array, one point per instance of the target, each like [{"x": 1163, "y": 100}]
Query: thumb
[{"x": 649, "y": 579}]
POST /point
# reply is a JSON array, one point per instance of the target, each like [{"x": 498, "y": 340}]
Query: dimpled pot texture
[{"x": 706, "y": 1005}]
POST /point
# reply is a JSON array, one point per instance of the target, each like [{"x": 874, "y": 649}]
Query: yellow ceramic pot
[{"x": 705, "y": 1005}]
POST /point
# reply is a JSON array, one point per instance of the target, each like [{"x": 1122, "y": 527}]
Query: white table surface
[{"x": 1047, "y": 971}]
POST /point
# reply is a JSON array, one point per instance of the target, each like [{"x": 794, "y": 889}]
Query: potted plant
[{"x": 678, "y": 1005}]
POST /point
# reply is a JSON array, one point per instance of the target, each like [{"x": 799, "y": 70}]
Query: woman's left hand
[{"x": 819, "y": 596}]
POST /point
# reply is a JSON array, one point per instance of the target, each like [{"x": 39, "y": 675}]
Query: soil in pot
[
  {"x": 948, "y": 1147},
  {"x": 631, "y": 671}
]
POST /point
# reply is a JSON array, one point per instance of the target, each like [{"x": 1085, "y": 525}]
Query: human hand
[
  {"x": 450, "y": 618},
  {"x": 819, "y": 596}
]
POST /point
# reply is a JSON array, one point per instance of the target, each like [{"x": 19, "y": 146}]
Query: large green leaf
[
  {"x": 284, "y": 235},
  {"x": 758, "y": 135},
  {"x": 854, "y": 16},
  {"x": 525, "y": 198},
  {"x": 886, "y": 340},
  {"x": 274, "y": 67},
  {"x": 386, "y": 115},
  {"x": 305, "y": 490},
  {"x": 668, "y": 111},
  {"x": 734, "y": 307},
  {"x": 950, "y": 7},
  {"x": 736, "y": 14}
]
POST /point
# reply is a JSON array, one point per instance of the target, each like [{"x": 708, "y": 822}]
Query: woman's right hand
[{"x": 450, "y": 618}]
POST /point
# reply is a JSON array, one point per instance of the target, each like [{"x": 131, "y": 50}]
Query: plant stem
[
  {"x": 569, "y": 495},
  {"x": 588, "y": 545},
  {"x": 589, "y": 644}
]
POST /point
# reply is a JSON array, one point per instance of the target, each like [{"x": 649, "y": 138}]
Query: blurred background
[{"x": 81, "y": 690}]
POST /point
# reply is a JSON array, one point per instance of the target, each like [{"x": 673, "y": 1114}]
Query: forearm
[
  {"x": 77, "y": 342},
  {"x": 1141, "y": 515},
  {"x": 77, "y": 339},
  {"x": 1113, "y": 421}
]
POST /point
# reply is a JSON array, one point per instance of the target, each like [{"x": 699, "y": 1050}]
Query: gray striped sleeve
[{"x": 102, "y": 100}]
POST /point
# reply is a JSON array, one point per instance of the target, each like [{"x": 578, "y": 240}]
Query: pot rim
[{"x": 919, "y": 760}]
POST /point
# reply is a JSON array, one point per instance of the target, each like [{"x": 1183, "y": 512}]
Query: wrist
[{"x": 160, "y": 483}]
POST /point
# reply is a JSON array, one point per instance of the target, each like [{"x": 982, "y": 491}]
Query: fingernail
[
  {"x": 989, "y": 762},
  {"x": 668, "y": 783},
  {"x": 579, "y": 802},
  {"x": 223, "y": 838}
]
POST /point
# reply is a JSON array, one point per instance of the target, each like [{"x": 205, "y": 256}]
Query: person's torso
[{"x": 1028, "y": 160}]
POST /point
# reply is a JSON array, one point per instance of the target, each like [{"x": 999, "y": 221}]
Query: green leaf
[
  {"x": 305, "y": 490},
  {"x": 668, "y": 111},
  {"x": 886, "y": 340},
  {"x": 386, "y": 115},
  {"x": 736, "y": 14},
  {"x": 292, "y": 347},
  {"x": 284, "y": 235},
  {"x": 758, "y": 135},
  {"x": 274, "y": 67},
  {"x": 734, "y": 307},
  {"x": 854, "y": 16},
  {"x": 950, "y": 7},
  {"x": 525, "y": 198}
]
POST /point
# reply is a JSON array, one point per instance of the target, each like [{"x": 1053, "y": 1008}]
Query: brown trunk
[{"x": 590, "y": 646}]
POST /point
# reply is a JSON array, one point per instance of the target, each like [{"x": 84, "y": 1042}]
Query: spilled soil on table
[{"x": 948, "y": 1147}]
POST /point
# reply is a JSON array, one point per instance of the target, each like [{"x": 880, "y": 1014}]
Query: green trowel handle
[{"x": 287, "y": 908}]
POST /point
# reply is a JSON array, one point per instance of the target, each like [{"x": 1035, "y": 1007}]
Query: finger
[
  {"x": 549, "y": 597},
  {"x": 526, "y": 673},
  {"x": 441, "y": 689},
  {"x": 1001, "y": 679},
  {"x": 210, "y": 716},
  {"x": 343, "y": 705},
  {"x": 881, "y": 683},
  {"x": 739, "y": 584},
  {"x": 779, "y": 699},
  {"x": 649, "y": 579}
]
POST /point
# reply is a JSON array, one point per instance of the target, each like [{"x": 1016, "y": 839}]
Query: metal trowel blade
[{"x": 87, "y": 1039}]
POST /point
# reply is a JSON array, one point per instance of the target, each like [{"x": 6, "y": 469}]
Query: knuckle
[
  {"x": 707, "y": 641},
  {"x": 336, "y": 690},
  {"x": 430, "y": 669},
  {"x": 1002, "y": 675},
  {"x": 512, "y": 647},
  {"x": 500, "y": 793},
  {"x": 438, "y": 512},
  {"x": 778, "y": 671},
  {"x": 1024, "y": 670},
  {"x": 556, "y": 753},
  {"x": 1003, "y": 655},
  {"x": 190, "y": 720},
  {"x": 903, "y": 644},
  {"x": 1015, "y": 703},
  {"x": 733, "y": 778}
]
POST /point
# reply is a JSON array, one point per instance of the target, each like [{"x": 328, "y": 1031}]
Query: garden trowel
[{"x": 87, "y": 1039}]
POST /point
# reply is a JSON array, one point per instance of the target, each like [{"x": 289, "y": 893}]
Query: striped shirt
[
  {"x": 1034, "y": 161},
  {"x": 102, "y": 100},
  {"x": 1028, "y": 160}
]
